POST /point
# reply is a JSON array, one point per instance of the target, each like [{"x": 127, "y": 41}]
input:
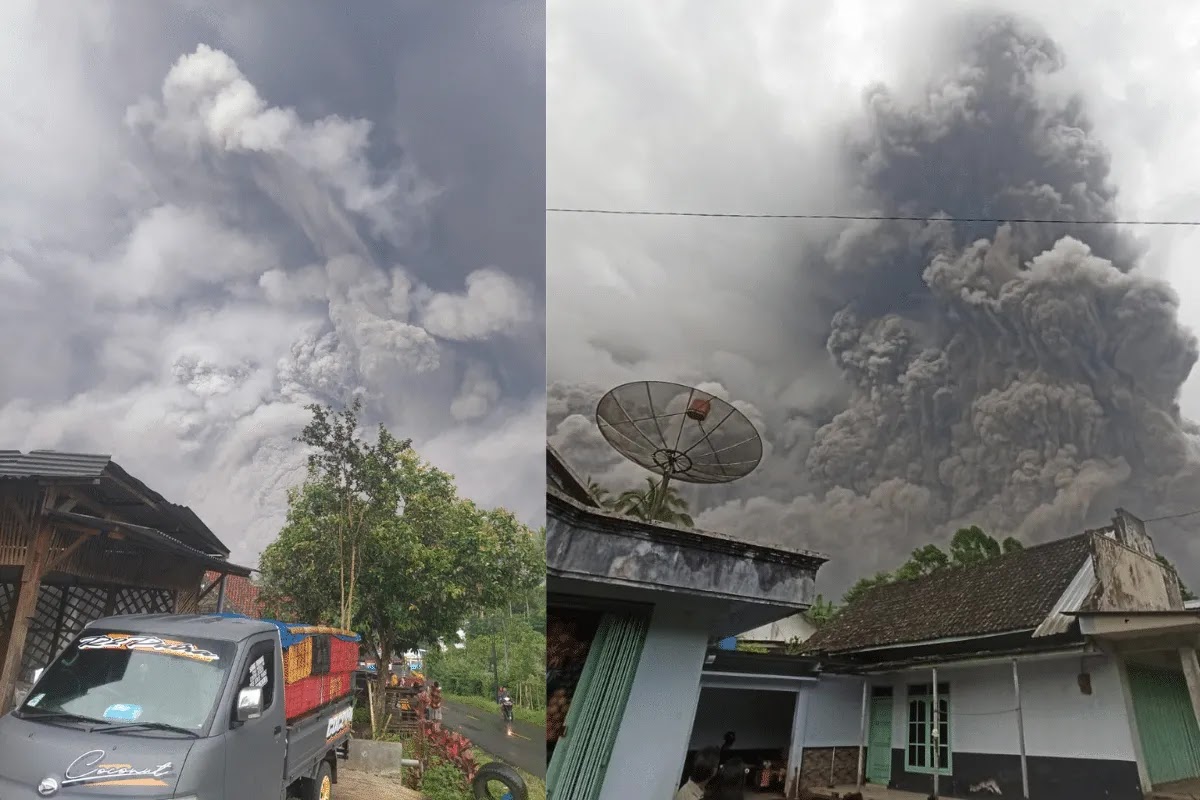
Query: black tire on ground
[
  {"x": 500, "y": 773},
  {"x": 311, "y": 789}
]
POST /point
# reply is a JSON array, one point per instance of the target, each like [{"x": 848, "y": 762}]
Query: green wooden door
[
  {"x": 879, "y": 741},
  {"x": 580, "y": 760},
  {"x": 1166, "y": 723}
]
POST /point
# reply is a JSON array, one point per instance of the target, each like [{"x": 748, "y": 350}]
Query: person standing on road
[{"x": 435, "y": 705}]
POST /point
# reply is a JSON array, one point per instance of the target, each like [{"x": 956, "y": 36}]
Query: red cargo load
[
  {"x": 311, "y": 693},
  {"x": 343, "y": 656}
]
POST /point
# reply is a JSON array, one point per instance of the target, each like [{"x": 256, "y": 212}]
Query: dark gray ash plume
[{"x": 1021, "y": 377}]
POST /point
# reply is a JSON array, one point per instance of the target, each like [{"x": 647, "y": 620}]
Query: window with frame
[
  {"x": 260, "y": 673},
  {"x": 927, "y": 749}
]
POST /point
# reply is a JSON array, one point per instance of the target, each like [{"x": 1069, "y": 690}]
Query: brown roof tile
[
  {"x": 1010, "y": 593},
  {"x": 241, "y": 596}
]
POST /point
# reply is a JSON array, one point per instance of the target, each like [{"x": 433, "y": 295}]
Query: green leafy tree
[
  {"x": 600, "y": 493},
  {"x": 970, "y": 545},
  {"x": 864, "y": 585},
  {"x": 423, "y": 569},
  {"x": 923, "y": 561},
  {"x": 357, "y": 488},
  {"x": 821, "y": 611},
  {"x": 655, "y": 503}
]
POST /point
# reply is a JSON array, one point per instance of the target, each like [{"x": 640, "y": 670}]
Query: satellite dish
[{"x": 679, "y": 432}]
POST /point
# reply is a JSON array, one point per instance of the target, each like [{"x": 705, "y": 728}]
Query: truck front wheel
[{"x": 320, "y": 786}]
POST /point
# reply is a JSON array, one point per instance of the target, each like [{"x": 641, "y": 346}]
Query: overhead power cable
[
  {"x": 1191, "y": 513},
  {"x": 617, "y": 212}
]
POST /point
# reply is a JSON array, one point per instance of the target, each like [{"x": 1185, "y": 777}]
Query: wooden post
[{"x": 36, "y": 554}]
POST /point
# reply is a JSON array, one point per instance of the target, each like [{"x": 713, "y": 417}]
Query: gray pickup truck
[{"x": 164, "y": 706}]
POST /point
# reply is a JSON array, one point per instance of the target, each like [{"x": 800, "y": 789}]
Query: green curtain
[{"x": 580, "y": 760}]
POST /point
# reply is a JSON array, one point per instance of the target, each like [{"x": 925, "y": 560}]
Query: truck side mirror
[{"x": 249, "y": 704}]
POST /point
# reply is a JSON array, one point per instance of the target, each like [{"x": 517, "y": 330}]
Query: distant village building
[
  {"x": 788, "y": 632},
  {"x": 239, "y": 596}
]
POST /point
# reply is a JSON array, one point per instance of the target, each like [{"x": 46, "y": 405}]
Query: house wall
[
  {"x": 1077, "y": 745},
  {"x": 832, "y": 732},
  {"x": 1130, "y": 580},
  {"x": 834, "y": 713},
  {"x": 658, "y": 718},
  {"x": 761, "y": 719}
]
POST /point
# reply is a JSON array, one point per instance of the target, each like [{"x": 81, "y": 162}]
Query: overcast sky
[
  {"x": 214, "y": 213},
  {"x": 966, "y": 388}
]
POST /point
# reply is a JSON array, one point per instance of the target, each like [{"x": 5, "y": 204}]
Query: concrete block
[{"x": 377, "y": 758}]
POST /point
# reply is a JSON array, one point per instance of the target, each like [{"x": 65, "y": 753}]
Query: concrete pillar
[
  {"x": 796, "y": 744},
  {"x": 652, "y": 740},
  {"x": 1191, "y": 672}
]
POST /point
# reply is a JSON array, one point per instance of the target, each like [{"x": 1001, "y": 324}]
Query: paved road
[{"x": 525, "y": 749}]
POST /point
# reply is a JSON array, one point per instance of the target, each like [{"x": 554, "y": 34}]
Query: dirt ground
[{"x": 361, "y": 786}]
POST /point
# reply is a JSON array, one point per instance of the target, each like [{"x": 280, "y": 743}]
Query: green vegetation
[
  {"x": 651, "y": 503},
  {"x": 444, "y": 781},
  {"x": 968, "y": 546},
  {"x": 515, "y": 636},
  {"x": 377, "y": 540}
]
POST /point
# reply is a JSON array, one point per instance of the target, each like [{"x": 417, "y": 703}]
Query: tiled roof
[
  {"x": 1010, "y": 593},
  {"x": 241, "y": 596}
]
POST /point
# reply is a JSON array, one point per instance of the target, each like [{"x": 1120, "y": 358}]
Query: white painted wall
[
  {"x": 834, "y": 712},
  {"x": 653, "y": 738},
  {"x": 762, "y": 720},
  {"x": 1059, "y": 719}
]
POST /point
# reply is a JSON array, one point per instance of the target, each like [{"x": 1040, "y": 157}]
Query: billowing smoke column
[
  {"x": 1021, "y": 377},
  {"x": 1013, "y": 376}
]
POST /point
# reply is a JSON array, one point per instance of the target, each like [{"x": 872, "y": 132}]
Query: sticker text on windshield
[{"x": 148, "y": 644}]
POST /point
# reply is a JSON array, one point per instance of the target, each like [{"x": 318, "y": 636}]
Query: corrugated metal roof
[
  {"x": 159, "y": 514},
  {"x": 1059, "y": 620},
  {"x": 51, "y": 464},
  {"x": 155, "y": 539}
]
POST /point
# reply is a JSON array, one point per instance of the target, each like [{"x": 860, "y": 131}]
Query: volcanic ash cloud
[{"x": 1022, "y": 377}]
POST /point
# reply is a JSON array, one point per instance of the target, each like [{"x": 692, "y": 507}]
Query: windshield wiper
[
  {"x": 33, "y": 713},
  {"x": 148, "y": 726}
]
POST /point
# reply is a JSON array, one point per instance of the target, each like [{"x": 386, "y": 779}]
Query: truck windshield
[{"x": 139, "y": 678}]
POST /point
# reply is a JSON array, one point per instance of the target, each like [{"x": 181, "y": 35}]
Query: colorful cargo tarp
[{"x": 318, "y": 664}]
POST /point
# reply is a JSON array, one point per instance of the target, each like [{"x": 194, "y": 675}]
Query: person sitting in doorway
[{"x": 704, "y": 768}]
